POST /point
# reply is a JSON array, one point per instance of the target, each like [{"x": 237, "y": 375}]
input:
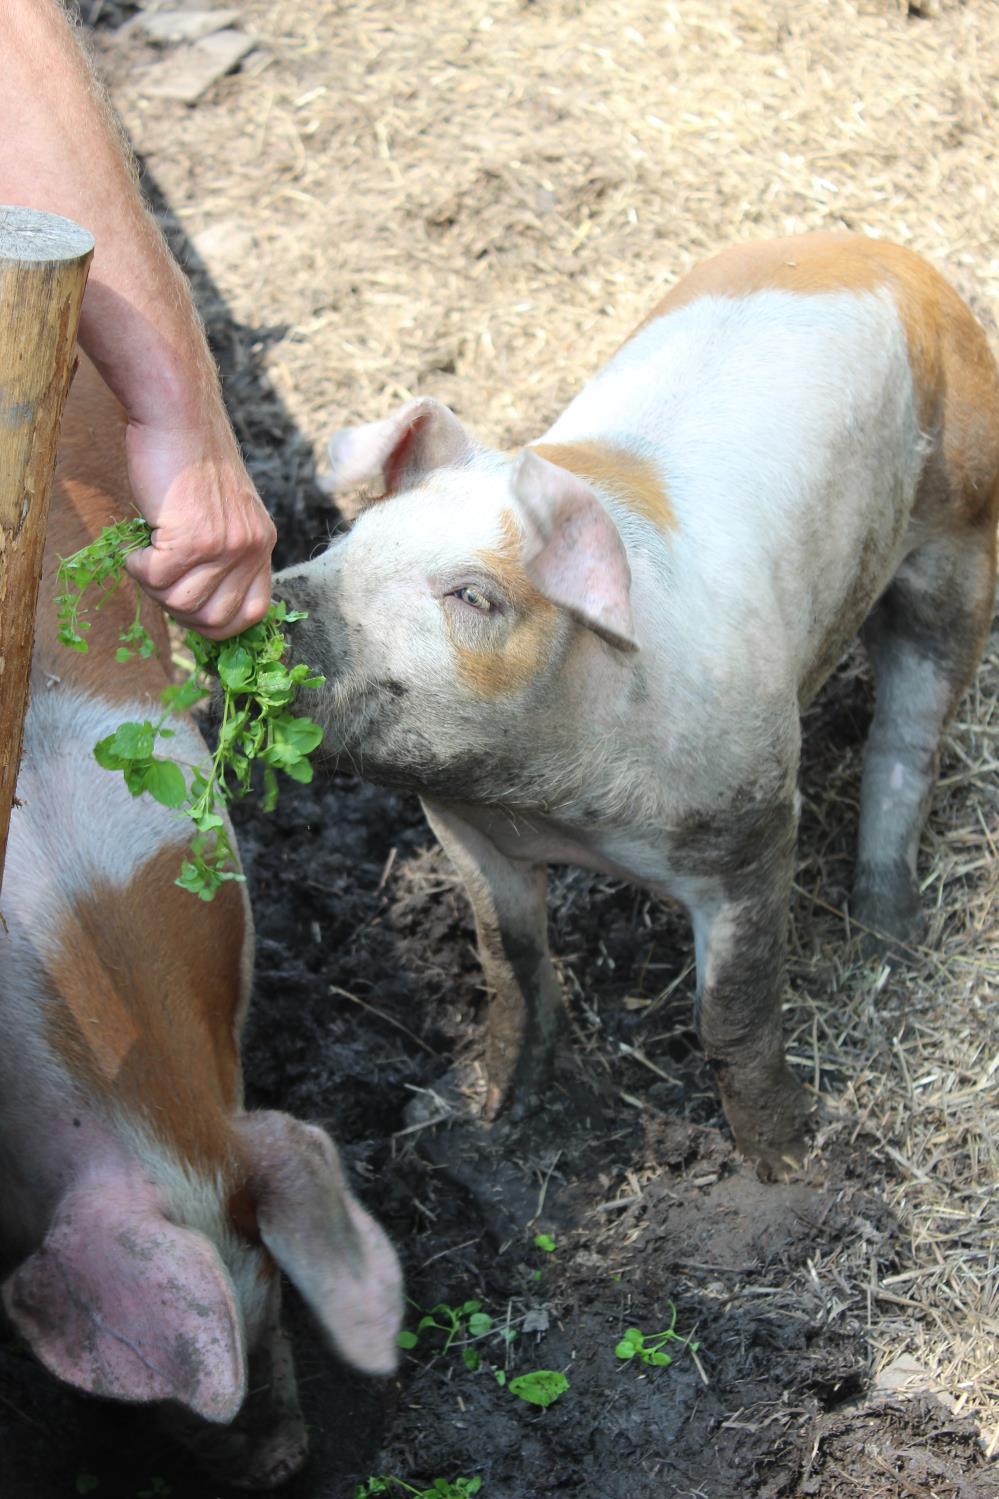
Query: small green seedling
[
  {"x": 257, "y": 722},
  {"x": 649, "y": 1346},
  {"x": 465, "y": 1321},
  {"x": 441, "y": 1488},
  {"x": 545, "y": 1242},
  {"x": 541, "y": 1387}
]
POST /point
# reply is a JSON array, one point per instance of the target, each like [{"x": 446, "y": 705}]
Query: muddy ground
[{"x": 367, "y": 990}]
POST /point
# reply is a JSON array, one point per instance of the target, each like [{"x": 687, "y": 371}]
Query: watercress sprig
[{"x": 258, "y": 725}]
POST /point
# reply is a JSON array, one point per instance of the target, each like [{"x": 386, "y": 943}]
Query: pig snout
[{"x": 267, "y": 1443}]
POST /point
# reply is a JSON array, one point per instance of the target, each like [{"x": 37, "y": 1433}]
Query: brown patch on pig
[
  {"x": 953, "y": 371},
  {"x": 629, "y": 478},
  {"x": 152, "y": 1031},
  {"x": 492, "y": 670},
  {"x": 90, "y": 491}
]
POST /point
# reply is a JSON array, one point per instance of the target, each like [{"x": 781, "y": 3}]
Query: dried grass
[{"x": 477, "y": 202}]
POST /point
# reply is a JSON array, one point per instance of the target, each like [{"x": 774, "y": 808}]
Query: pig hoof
[
  {"x": 772, "y": 1130},
  {"x": 458, "y": 1095}
]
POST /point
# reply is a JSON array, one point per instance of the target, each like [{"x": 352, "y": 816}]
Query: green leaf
[
  {"x": 541, "y": 1387},
  {"x": 183, "y": 695},
  {"x": 207, "y": 822},
  {"x": 470, "y": 1358},
  {"x": 545, "y": 1242},
  {"x": 105, "y": 755},
  {"x": 235, "y": 665},
  {"x": 408, "y": 1339},
  {"x": 625, "y": 1349},
  {"x": 469, "y": 1307},
  {"x": 164, "y": 781},
  {"x": 661, "y": 1360},
  {"x": 299, "y": 770},
  {"x": 479, "y": 1323},
  {"x": 133, "y": 741},
  {"x": 500, "y": 1376}
]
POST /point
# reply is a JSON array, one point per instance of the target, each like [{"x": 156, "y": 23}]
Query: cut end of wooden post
[{"x": 30, "y": 236}]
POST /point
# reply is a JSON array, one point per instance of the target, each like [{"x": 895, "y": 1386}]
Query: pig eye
[{"x": 475, "y": 597}]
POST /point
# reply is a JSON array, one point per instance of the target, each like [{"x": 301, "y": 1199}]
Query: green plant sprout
[
  {"x": 648, "y": 1346},
  {"x": 257, "y": 722},
  {"x": 545, "y": 1242},
  {"x": 461, "y": 1326},
  {"x": 540, "y": 1387},
  {"x": 442, "y": 1488},
  {"x": 463, "y": 1323}
]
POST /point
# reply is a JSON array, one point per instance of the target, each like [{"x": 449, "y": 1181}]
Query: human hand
[{"x": 209, "y": 561}]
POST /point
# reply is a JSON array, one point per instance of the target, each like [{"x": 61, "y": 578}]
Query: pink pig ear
[
  {"x": 421, "y": 436},
  {"x": 329, "y": 1247},
  {"x": 120, "y": 1302},
  {"x": 572, "y": 551}
]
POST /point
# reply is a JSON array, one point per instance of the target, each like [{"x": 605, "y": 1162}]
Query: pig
[
  {"x": 145, "y": 1215},
  {"x": 597, "y": 650}
]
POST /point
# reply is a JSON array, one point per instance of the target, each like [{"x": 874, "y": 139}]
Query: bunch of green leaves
[
  {"x": 442, "y": 1488},
  {"x": 101, "y": 564},
  {"x": 258, "y": 724},
  {"x": 649, "y": 1346}
]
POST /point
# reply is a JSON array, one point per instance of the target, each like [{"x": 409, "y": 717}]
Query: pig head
[
  {"x": 146, "y": 1216},
  {"x": 451, "y": 598}
]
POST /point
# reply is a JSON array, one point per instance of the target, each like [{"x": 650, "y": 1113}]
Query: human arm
[{"x": 61, "y": 150}]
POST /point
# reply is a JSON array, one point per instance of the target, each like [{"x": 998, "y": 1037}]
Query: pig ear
[
  {"x": 120, "y": 1302},
  {"x": 329, "y": 1247},
  {"x": 392, "y": 454},
  {"x": 573, "y": 553}
]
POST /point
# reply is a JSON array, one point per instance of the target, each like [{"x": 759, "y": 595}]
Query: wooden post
[{"x": 44, "y": 261}]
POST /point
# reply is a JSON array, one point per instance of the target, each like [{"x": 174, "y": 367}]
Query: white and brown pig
[
  {"x": 143, "y": 1215},
  {"x": 597, "y": 651}
]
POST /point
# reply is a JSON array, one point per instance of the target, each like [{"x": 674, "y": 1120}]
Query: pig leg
[
  {"x": 924, "y": 639},
  {"x": 508, "y": 900},
  {"x": 740, "y": 931}
]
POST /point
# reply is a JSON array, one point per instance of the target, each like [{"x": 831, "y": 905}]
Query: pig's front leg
[
  {"x": 740, "y": 926},
  {"x": 508, "y": 900}
]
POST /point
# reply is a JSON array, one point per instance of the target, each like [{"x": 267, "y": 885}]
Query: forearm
[{"x": 60, "y": 150}]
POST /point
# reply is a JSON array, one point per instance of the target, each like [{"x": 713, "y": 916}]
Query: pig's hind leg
[
  {"x": 509, "y": 903},
  {"x": 924, "y": 639}
]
